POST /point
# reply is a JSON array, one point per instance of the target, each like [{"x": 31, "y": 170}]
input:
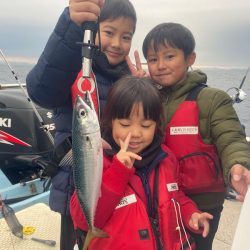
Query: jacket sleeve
[
  {"x": 114, "y": 182},
  {"x": 49, "y": 82},
  {"x": 226, "y": 130}
]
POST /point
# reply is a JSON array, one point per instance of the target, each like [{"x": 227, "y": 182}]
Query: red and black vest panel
[
  {"x": 200, "y": 168},
  {"x": 81, "y": 85}
]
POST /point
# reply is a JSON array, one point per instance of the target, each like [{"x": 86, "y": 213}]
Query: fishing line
[{"x": 51, "y": 139}]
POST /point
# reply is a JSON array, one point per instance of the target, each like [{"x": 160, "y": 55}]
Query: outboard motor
[{"x": 21, "y": 133}]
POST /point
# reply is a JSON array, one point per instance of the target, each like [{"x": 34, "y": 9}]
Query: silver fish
[{"x": 87, "y": 158}]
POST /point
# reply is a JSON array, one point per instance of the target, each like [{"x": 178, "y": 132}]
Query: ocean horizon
[
  {"x": 33, "y": 60},
  {"x": 221, "y": 77}
]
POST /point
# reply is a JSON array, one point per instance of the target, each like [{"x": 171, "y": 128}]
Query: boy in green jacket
[{"x": 201, "y": 126}]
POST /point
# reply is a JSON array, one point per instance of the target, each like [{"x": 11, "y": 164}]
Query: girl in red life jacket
[{"x": 141, "y": 206}]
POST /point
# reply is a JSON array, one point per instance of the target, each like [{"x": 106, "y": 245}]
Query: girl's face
[
  {"x": 168, "y": 65},
  {"x": 142, "y": 130},
  {"x": 116, "y": 37}
]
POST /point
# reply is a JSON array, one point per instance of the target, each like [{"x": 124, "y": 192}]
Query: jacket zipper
[
  {"x": 153, "y": 221},
  {"x": 144, "y": 179}
]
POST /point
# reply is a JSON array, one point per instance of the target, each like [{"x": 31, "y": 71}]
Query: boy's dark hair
[
  {"x": 128, "y": 91},
  {"x": 169, "y": 34},
  {"x": 113, "y": 9}
]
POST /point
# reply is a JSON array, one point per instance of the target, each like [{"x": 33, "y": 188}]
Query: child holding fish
[
  {"x": 139, "y": 204},
  {"x": 50, "y": 82}
]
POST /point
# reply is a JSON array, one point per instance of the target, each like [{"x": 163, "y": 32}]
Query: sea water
[
  {"x": 227, "y": 79},
  {"x": 219, "y": 77}
]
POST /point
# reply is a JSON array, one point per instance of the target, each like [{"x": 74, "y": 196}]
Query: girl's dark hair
[
  {"x": 126, "y": 92},
  {"x": 169, "y": 34},
  {"x": 113, "y": 9}
]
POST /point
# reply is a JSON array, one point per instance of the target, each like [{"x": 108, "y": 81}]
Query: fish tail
[
  {"x": 88, "y": 240},
  {"x": 95, "y": 233}
]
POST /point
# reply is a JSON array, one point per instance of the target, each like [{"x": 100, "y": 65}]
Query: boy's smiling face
[
  {"x": 168, "y": 66},
  {"x": 116, "y": 38}
]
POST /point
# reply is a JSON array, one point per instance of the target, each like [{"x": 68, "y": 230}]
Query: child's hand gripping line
[
  {"x": 124, "y": 156},
  {"x": 200, "y": 221}
]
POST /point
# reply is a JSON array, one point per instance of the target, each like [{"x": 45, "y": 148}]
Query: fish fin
[
  {"x": 96, "y": 233},
  {"x": 99, "y": 233}
]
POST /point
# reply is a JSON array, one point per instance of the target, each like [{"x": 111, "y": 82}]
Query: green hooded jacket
[{"x": 219, "y": 125}]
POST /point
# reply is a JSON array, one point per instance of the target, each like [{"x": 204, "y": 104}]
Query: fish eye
[{"x": 82, "y": 113}]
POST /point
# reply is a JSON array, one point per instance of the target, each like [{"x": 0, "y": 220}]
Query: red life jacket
[
  {"x": 129, "y": 226},
  {"x": 200, "y": 169},
  {"x": 81, "y": 85}
]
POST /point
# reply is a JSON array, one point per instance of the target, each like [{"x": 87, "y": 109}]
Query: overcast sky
[{"x": 221, "y": 27}]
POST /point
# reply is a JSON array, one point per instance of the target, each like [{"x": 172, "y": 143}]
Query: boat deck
[
  {"x": 227, "y": 227},
  {"x": 47, "y": 224}
]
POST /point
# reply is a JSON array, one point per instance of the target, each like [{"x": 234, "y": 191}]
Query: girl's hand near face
[
  {"x": 200, "y": 221},
  {"x": 127, "y": 157},
  {"x": 136, "y": 70}
]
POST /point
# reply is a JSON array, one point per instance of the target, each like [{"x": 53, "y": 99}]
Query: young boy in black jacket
[{"x": 49, "y": 83}]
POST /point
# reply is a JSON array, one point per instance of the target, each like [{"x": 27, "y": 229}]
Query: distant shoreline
[
  {"x": 28, "y": 60},
  {"x": 33, "y": 60},
  {"x": 210, "y": 67}
]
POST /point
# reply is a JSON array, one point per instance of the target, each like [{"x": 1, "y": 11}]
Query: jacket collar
[
  {"x": 193, "y": 78},
  {"x": 113, "y": 72}
]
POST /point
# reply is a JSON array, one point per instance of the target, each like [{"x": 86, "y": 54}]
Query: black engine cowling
[{"x": 21, "y": 132}]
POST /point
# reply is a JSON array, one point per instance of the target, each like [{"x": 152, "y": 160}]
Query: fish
[{"x": 87, "y": 153}]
